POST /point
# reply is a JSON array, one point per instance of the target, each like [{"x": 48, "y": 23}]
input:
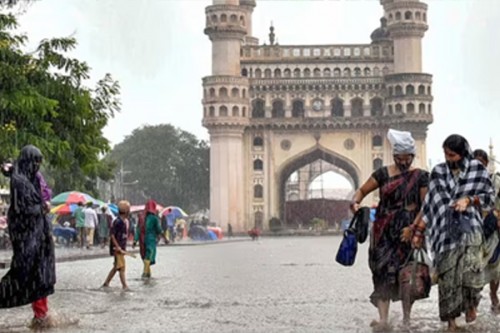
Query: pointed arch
[
  {"x": 235, "y": 92},
  {"x": 223, "y": 111},
  {"x": 258, "y": 108},
  {"x": 356, "y": 107},
  {"x": 236, "y": 111},
  {"x": 278, "y": 110},
  {"x": 308, "y": 157},
  {"x": 337, "y": 107},
  {"x": 223, "y": 92},
  {"x": 258, "y": 191},
  {"x": 410, "y": 108},
  {"x": 258, "y": 165},
  {"x": 377, "y": 141},
  {"x": 298, "y": 108},
  {"x": 376, "y": 107}
]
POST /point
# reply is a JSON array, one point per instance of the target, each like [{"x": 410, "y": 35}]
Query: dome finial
[{"x": 271, "y": 34}]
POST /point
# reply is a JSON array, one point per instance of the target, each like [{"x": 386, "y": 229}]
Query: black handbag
[
  {"x": 490, "y": 224},
  {"x": 360, "y": 224}
]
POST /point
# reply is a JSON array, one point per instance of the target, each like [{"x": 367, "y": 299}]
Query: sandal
[{"x": 495, "y": 309}]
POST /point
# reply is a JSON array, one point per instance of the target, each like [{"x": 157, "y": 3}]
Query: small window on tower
[
  {"x": 258, "y": 165},
  {"x": 258, "y": 141},
  {"x": 377, "y": 141}
]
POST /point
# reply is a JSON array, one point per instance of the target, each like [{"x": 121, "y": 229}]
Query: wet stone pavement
[{"x": 270, "y": 285}]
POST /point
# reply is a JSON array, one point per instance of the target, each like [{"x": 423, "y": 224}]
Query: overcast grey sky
[{"x": 158, "y": 52}]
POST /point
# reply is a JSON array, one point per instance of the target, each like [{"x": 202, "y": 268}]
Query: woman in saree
[
  {"x": 402, "y": 189},
  {"x": 459, "y": 190},
  {"x": 146, "y": 233}
]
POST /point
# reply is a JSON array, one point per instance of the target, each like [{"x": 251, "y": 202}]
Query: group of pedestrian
[
  {"x": 32, "y": 274},
  {"x": 92, "y": 228},
  {"x": 441, "y": 212}
]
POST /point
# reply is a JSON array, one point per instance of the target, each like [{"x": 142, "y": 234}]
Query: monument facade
[{"x": 273, "y": 109}]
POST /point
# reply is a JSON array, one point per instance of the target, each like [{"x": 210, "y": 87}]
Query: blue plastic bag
[{"x": 348, "y": 248}]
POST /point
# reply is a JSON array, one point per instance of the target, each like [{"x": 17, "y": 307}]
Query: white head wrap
[{"x": 401, "y": 142}]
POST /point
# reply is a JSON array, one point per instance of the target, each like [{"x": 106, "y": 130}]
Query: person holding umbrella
[{"x": 146, "y": 233}]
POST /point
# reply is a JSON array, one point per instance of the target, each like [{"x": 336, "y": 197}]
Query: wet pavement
[
  {"x": 270, "y": 285},
  {"x": 72, "y": 253}
]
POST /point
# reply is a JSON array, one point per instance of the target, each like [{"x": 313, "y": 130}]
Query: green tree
[
  {"x": 171, "y": 166},
  {"x": 43, "y": 101}
]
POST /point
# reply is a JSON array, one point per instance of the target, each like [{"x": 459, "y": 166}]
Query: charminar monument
[{"x": 272, "y": 110}]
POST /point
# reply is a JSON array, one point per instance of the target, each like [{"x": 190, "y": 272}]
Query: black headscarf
[{"x": 29, "y": 161}]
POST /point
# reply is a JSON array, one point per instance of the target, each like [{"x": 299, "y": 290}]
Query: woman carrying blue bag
[{"x": 402, "y": 190}]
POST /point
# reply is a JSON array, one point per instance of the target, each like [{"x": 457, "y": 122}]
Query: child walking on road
[{"x": 118, "y": 244}]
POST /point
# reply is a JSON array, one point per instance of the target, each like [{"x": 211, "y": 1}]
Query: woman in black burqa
[{"x": 32, "y": 275}]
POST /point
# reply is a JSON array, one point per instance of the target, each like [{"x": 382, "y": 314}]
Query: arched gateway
[{"x": 272, "y": 109}]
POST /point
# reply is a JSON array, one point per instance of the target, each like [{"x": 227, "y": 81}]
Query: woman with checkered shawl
[
  {"x": 402, "y": 190},
  {"x": 459, "y": 190}
]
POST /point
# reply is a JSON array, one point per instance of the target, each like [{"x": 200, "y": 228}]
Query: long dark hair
[
  {"x": 458, "y": 144},
  {"x": 479, "y": 153}
]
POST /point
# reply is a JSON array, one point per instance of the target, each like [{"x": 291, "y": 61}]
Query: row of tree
[
  {"x": 170, "y": 166},
  {"x": 44, "y": 101}
]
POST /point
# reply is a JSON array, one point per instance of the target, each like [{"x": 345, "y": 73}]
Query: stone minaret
[
  {"x": 409, "y": 90},
  {"x": 226, "y": 111},
  {"x": 248, "y": 6},
  {"x": 492, "y": 165}
]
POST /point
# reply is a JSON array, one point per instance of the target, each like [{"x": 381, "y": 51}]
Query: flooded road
[{"x": 271, "y": 285}]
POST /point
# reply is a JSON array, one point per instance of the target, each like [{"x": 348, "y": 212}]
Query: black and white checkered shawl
[{"x": 444, "y": 190}]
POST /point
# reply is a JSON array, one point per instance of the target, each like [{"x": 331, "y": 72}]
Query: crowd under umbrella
[
  {"x": 173, "y": 212},
  {"x": 74, "y": 197},
  {"x": 64, "y": 209}
]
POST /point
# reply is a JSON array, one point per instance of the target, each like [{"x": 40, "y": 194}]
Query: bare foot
[
  {"x": 453, "y": 327},
  {"x": 494, "y": 298},
  {"x": 470, "y": 315},
  {"x": 380, "y": 326},
  {"x": 52, "y": 321},
  {"x": 495, "y": 309}
]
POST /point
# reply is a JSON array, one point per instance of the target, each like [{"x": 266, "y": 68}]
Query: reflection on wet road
[{"x": 272, "y": 285}]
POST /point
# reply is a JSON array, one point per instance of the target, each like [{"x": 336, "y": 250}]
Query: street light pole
[{"x": 122, "y": 173}]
